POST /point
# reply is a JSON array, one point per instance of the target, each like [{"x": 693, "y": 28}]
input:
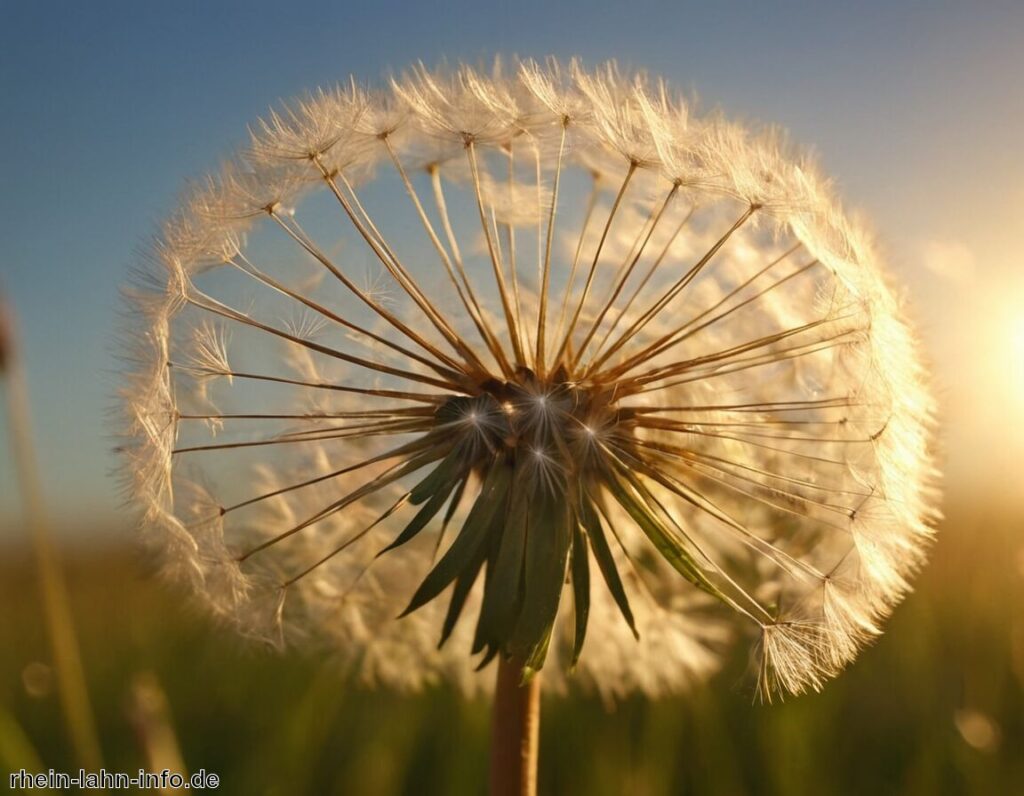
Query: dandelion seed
[{"x": 672, "y": 356}]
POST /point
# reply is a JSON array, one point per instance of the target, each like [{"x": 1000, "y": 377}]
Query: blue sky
[{"x": 108, "y": 107}]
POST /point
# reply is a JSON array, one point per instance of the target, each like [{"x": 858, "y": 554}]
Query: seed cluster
[
  {"x": 555, "y": 421},
  {"x": 598, "y": 331}
]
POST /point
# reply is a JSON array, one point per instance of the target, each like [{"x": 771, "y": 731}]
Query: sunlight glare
[{"x": 1015, "y": 367}]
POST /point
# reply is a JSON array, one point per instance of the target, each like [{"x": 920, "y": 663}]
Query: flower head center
[{"x": 557, "y": 424}]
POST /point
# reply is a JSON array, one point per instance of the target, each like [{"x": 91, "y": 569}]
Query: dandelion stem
[
  {"x": 515, "y": 727},
  {"x": 56, "y": 607}
]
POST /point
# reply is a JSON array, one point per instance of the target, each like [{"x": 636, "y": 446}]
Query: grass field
[{"x": 935, "y": 707}]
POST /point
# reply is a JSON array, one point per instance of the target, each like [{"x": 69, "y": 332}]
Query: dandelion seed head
[{"x": 628, "y": 385}]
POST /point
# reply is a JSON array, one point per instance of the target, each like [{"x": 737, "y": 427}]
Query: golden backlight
[{"x": 1015, "y": 365}]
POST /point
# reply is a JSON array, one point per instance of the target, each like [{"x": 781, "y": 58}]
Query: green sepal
[
  {"x": 547, "y": 552},
  {"x": 463, "y": 584},
  {"x": 503, "y": 591},
  {"x": 472, "y": 535},
  {"x": 630, "y": 494},
  {"x": 489, "y": 656},
  {"x": 580, "y": 590},
  {"x": 424, "y": 515},
  {"x": 540, "y": 651},
  {"x": 591, "y": 524},
  {"x": 453, "y": 506},
  {"x": 444, "y": 475}
]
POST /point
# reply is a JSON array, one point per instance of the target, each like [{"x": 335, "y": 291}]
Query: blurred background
[{"x": 914, "y": 108}]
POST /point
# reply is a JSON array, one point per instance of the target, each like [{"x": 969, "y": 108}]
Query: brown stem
[
  {"x": 514, "y": 731},
  {"x": 56, "y": 601}
]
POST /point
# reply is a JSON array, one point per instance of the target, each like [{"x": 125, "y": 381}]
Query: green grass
[{"x": 269, "y": 724}]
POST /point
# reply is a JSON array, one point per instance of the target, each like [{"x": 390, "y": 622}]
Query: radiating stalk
[
  {"x": 476, "y": 314},
  {"x": 624, "y": 311},
  {"x": 626, "y": 273},
  {"x": 674, "y": 291},
  {"x": 567, "y": 339},
  {"x": 510, "y": 244},
  {"x": 377, "y": 308},
  {"x": 571, "y": 280},
  {"x": 446, "y": 261},
  {"x": 511, "y": 320},
  {"x": 542, "y": 314}
]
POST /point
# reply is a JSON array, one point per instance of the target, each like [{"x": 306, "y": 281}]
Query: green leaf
[
  {"x": 472, "y": 535},
  {"x": 591, "y": 524},
  {"x": 580, "y": 590}
]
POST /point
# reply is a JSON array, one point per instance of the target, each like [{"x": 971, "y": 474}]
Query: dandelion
[{"x": 639, "y": 387}]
